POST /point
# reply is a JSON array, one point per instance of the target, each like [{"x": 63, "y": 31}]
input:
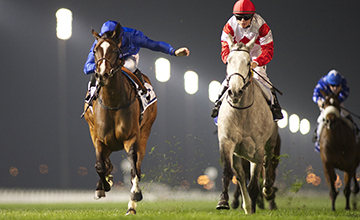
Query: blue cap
[
  {"x": 334, "y": 78},
  {"x": 108, "y": 26}
]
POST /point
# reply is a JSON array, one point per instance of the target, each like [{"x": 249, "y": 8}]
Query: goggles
[{"x": 244, "y": 16}]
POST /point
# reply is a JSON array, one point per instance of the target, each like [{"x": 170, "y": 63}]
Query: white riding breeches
[{"x": 132, "y": 62}]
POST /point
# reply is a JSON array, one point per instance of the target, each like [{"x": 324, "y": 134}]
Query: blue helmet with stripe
[{"x": 334, "y": 78}]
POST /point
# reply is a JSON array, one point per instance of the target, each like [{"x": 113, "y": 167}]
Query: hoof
[
  {"x": 137, "y": 197},
  {"x": 223, "y": 205},
  {"x": 235, "y": 204},
  {"x": 99, "y": 194},
  {"x": 272, "y": 205},
  {"x": 131, "y": 211}
]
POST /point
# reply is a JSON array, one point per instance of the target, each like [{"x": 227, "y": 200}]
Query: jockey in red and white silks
[
  {"x": 243, "y": 26},
  {"x": 263, "y": 50}
]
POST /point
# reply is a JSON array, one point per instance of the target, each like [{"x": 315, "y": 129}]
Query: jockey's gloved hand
[{"x": 183, "y": 51}]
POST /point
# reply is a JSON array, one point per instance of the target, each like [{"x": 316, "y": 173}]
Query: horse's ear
[
  {"x": 95, "y": 34},
  {"x": 251, "y": 43},
  {"x": 117, "y": 31},
  {"x": 323, "y": 93}
]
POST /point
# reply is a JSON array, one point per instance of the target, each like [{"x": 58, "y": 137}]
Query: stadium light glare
[
  {"x": 162, "y": 69},
  {"x": 214, "y": 87},
  {"x": 294, "y": 123},
  {"x": 63, "y": 23},
  {"x": 191, "y": 82},
  {"x": 304, "y": 126}
]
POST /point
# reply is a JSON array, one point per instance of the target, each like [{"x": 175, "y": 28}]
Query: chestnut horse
[
  {"x": 246, "y": 165},
  {"x": 246, "y": 129},
  {"x": 114, "y": 120},
  {"x": 338, "y": 149}
]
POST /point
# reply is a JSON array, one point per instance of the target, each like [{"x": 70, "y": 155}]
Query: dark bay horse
[
  {"x": 246, "y": 129},
  {"x": 114, "y": 120},
  {"x": 338, "y": 149},
  {"x": 246, "y": 165}
]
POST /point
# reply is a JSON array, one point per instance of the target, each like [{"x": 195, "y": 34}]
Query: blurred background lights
[
  {"x": 63, "y": 23},
  {"x": 162, "y": 69},
  {"x": 294, "y": 123},
  {"x": 304, "y": 126},
  {"x": 283, "y": 122},
  {"x": 191, "y": 82},
  {"x": 214, "y": 87}
]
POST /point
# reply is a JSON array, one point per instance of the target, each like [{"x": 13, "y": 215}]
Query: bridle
[
  {"x": 113, "y": 70},
  {"x": 245, "y": 81}
]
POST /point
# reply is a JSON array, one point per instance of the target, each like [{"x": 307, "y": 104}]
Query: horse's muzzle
[{"x": 235, "y": 96}]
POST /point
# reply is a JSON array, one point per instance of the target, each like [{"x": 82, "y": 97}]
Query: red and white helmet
[{"x": 244, "y": 7}]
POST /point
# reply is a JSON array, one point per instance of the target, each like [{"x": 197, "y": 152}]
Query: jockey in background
[
  {"x": 131, "y": 42},
  {"x": 333, "y": 82},
  {"x": 243, "y": 26}
]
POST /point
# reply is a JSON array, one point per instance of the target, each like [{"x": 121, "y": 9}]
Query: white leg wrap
[{"x": 135, "y": 185}]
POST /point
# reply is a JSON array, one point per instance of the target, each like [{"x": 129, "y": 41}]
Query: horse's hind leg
[
  {"x": 347, "y": 190},
  {"x": 330, "y": 178},
  {"x": 355, "y": 190},
  {"x": 236, "y": 202}
]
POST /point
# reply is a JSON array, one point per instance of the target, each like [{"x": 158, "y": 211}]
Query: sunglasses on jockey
[{"x": 244, "y": 16}]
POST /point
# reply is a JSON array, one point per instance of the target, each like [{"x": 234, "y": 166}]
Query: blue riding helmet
[
  {"x": 334, "y": 78},
  {"x": 110, "y": 26}
]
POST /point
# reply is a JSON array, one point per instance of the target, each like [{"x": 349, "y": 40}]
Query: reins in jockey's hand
[{"x": 276, "y": 89}]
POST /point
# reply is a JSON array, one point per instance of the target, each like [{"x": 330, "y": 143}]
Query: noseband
[{"x": 113, "y": 69}]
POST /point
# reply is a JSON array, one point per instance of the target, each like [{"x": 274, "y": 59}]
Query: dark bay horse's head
[
  {"x": 106, "y": 54},
  {"x": 238, "y": 68},
  {"x": 331, "y": 109}
]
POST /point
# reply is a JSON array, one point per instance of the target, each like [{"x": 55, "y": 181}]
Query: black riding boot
[
  {"x": 275, "y": 108},
  {"x": 92, "y": 83},
  {"x": 215, "y": 110}
]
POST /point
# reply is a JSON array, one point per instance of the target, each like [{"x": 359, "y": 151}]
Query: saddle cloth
[{"x": 146, "y": 99}]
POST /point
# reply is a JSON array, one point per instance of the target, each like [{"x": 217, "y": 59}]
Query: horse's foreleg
[
  {"x": 136, "y": 195},
  {"x": 103, "y": 167},
  {"x": 330, "y": 178},
  {"x": 241, "y": 178},
  {"x": 226, "y": 162}
]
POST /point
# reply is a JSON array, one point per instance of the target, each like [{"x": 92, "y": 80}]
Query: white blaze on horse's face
[{"x": 102, "y": 66}]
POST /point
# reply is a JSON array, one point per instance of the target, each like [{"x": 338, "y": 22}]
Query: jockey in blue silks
[
  {"x": 132, "y": 41},
  {"x": 333, "y": 82}
]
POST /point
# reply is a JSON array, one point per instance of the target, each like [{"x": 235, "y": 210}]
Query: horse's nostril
[{"x": 230, "y": 93}]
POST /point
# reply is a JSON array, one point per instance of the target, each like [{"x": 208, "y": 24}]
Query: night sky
[{"x": 310, "y": 38}]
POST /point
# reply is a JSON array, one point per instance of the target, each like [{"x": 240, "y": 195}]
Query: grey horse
[{"x": 246, "y": 129}]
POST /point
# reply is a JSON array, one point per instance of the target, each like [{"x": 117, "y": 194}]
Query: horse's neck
[{"x": 118, "y": 91}]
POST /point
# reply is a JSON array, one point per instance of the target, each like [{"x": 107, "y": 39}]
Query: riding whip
[
  {"x": 276, "y": 89},
  {"x": 350, "y": 112}
]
